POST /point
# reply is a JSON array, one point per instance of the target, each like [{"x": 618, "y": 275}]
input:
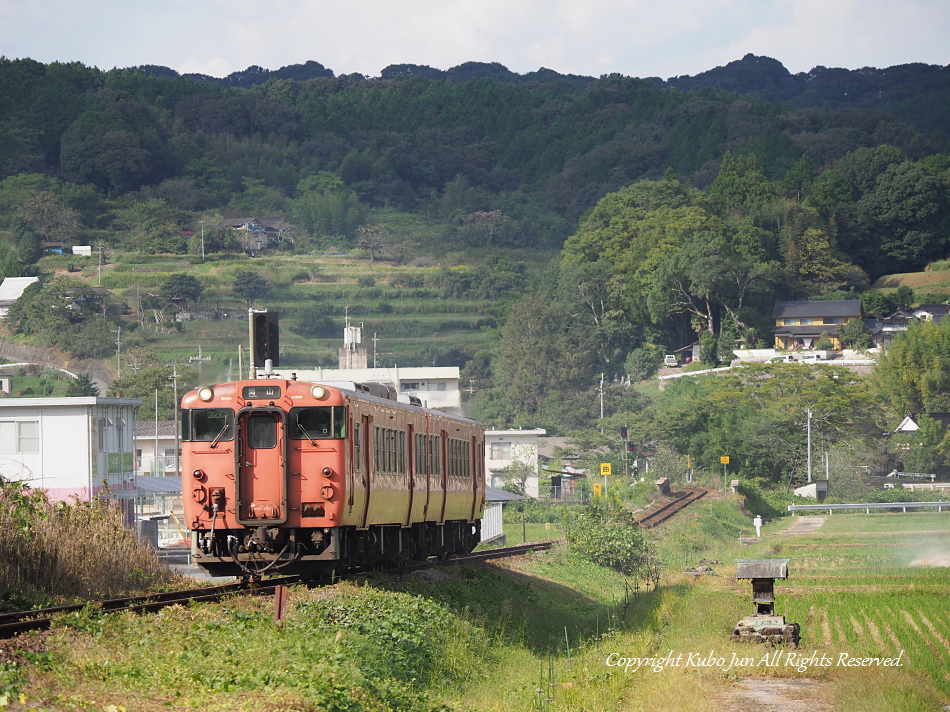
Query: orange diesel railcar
[{"x": 305, "y": 478}]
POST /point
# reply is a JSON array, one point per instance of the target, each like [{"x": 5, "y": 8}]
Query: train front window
[
  {"x": 261, "y": 431},
  {"x": 210, "y": 425},
  {"x": 318, "y": 423}
]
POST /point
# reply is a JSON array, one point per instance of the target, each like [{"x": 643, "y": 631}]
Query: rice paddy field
[{"x": 865, "y": 589}]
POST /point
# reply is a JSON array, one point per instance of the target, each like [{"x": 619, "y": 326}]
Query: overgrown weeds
[{"x": 53, "y": 550}]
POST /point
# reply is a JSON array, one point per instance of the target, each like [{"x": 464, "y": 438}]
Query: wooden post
[{"x": 280, "y": 604}]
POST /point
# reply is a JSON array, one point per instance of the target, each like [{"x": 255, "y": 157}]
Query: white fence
[
  {"x": 491, "y": 522},
  {"x": 904, "y": 506}
]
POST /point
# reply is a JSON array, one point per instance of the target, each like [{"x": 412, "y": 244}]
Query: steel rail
[
  {"x": 41, "y": 619},
  {"x": 652, "y": 519}
]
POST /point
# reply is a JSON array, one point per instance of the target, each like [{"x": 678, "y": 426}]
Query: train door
[
  {"x": 475, "y": 460},
  {"x": 262, "y": 467},
  {"x": 444, "y": 472},
  {"x": 366, "y": 468},
  {"x": 410, "y": 459}
]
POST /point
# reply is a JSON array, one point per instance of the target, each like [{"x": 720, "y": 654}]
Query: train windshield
[
  {"x": 318, "y": 423},
  {"x": 212, "y": 425}
]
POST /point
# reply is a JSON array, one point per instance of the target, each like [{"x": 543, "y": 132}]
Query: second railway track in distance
[
  {"x": 41, "y": 619},
  {"x": 658, "y": 516}
]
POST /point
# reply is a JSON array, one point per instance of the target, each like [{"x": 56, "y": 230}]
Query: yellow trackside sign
[
  {"x": 597, "y": 489},
  {"x": 605, "y": 468},
  {"x": 724, "y": 460}
]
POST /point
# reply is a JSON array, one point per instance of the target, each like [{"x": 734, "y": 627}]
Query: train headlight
[
  {"x": 198, "y": 475},
  {"x": 206, "y": 393},
  {"x": 319, "y": 392}
]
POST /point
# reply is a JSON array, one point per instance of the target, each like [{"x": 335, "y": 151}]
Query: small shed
[
  {"x": 492, "y": 526},
  {"x": 763, "y": 573}
]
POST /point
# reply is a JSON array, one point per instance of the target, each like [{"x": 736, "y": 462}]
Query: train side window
[
  {"x": 435, "y": 456},
  {"x": 421, "y": 464},
  {"x": 357, "y": 446},
  {"x": 401, "y": 444},
  {"x": 318, "y": 423},
  {"x": 376, "y": 453},
  {"x": 212, "y": 425}
]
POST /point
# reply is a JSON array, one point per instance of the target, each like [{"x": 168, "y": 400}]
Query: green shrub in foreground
[{"x": 607, "y": 535}]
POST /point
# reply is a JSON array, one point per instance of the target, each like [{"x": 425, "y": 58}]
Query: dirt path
[
  {"x": 36, "y": 354},
  {"x": 762, "y": 694},
  {"x": 804, "y": 525}
]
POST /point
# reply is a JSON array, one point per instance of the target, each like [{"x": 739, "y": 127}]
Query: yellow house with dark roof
[{"x": 799, "y": 325}]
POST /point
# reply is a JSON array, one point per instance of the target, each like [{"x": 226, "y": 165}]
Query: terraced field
[{"x": 404, "y": 307}]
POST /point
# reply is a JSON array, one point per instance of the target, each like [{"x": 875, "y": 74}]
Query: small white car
[{"x": 783, "y": 358}]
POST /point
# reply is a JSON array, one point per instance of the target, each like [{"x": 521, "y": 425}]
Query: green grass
[{"x": 489, "y": 637}]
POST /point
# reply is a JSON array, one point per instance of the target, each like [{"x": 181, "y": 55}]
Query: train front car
[
  {"x": 262, "y": 469},
  {"x": 295, "y": 477}
]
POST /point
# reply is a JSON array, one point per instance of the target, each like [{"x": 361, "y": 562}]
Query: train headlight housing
[
  {"x": 206, "y": 394},
  {"x": 319, "y": 392}
]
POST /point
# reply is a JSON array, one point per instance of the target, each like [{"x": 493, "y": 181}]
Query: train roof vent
[{"x": 411, "y": 400}]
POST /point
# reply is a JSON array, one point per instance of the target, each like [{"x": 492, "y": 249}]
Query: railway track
[
  {"x": 658, "y": 516},
  {"x": 41, "y": 619}
]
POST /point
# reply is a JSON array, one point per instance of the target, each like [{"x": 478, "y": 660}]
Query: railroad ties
[
  {"x": 683, "y": 499},
  {"x": 22, "y": 621}
]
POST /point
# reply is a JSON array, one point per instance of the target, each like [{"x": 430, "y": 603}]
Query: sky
[{"x": 637, "y": 38}]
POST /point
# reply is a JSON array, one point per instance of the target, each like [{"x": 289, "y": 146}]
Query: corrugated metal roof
[
  {"x": 762, "y": 568},
  {"x": 146, "y": 428},
  {"x": 497, "y": 495},
  {"x": 12, "y": 287}
]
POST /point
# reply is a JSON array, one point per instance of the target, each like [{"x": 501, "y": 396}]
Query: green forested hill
[
  {"x": 628, "y": 216},
  {"x": 544, "y": 151}
]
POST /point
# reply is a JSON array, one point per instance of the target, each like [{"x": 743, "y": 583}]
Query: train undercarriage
[{"x": 258, "y": 551}]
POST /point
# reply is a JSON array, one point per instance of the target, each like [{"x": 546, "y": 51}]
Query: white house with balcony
[
  {"x": 512, "y": 456},
  {"x": 74, "y": 448},
  {"x": 436, "y": 386},
  {"x": 155, "y": 448}
]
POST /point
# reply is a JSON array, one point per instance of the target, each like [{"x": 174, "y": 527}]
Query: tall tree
[
  {"x": 182, "y": 287},
  {"x": 250, "y": 286},
  {"x": 913, "y": 375}
]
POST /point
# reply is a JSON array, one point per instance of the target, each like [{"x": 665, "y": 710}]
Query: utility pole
[
  {"x": 100, "y": 263},
  {"x": 174, "y": 380},
  {"x": 155, "y": 456},
  {"x": 118, "y": 347},
  {"x": 601, "y": 389},
  {"x": 809, "y": 445},
  {"x": 202, "y": 223}
]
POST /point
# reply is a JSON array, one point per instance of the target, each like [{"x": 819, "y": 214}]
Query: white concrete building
[
  {"x": 513, "y": 455},
  {"x": 74, "y": 448},
  {"x": 436, "y": 386}
]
